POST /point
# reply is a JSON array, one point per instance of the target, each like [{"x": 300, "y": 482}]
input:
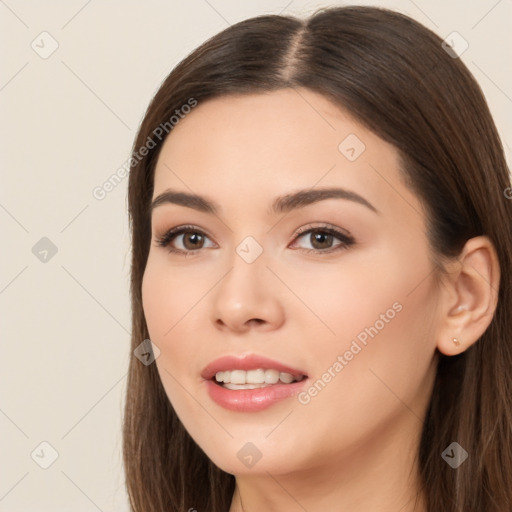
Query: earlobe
[{"x": 469, "y": 297}]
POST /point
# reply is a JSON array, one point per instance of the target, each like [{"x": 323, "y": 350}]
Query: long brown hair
[{"x": 393, "y": 75}]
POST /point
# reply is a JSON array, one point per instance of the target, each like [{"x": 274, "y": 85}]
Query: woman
[{"x": 322, "y": 262}]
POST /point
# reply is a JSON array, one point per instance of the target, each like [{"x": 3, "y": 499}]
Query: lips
[{"x": 248, "y": 362}]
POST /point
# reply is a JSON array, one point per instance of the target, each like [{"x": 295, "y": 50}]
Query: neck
[
  {"x": 378, "y": 476},
  {"x": 277, "y": 494}
]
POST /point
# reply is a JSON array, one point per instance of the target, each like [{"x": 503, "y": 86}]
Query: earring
[{"x": 456, "y": 341}]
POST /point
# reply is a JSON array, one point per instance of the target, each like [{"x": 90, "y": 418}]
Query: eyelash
[{"x": 346, "y": 240}]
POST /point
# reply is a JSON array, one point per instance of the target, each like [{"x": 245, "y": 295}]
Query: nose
[{"x": 247, "y": 297}]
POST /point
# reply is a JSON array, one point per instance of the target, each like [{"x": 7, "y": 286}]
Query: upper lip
[{"x": 247, "y": 362}]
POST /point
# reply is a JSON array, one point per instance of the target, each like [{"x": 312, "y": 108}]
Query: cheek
[
  {"x": 168, "y": 295},
  {"x": 170, "y": 301},
  {"x": 381, "y": 356},
  {"x": 156, "y": 301},
  {"x": 163, "y": 304}
]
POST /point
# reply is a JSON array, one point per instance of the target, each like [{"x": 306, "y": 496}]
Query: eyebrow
[{"x": 282, "y": 204}]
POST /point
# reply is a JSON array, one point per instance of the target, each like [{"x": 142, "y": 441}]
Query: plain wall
[{"x": 67, "y": 124}]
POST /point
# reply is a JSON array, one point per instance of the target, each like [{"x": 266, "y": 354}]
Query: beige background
[{"x": 67, "y": 124}]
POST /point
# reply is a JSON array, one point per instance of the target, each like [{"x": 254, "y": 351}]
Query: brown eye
[
  {"x": 192, "y": 239},
  {"x": 321, "y": 240}
]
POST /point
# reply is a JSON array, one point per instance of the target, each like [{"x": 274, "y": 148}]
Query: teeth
[
  {"x": 246, "y": 386},
  {"x": 253, "y": 378},
  {"x": 286, "y": 378},
  {"x": 272, "y": 376},
  {"x": 238, "y": 377}
]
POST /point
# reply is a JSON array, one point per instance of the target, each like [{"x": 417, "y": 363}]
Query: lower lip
[{"x": 252, "y": 400}]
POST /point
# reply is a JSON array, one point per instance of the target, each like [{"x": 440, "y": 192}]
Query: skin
[{"x": 353, "y": 445}]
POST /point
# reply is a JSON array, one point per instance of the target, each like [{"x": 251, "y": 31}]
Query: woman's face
[{"x": 337, "y": 289}]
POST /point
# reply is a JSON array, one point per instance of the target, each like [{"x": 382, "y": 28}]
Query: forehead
[{"x": 258, "y": 146}]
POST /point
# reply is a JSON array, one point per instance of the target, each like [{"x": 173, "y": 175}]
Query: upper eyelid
[
  {"x": 324, "y": 226},
  {"x": 178, "y": 230},
  {"x": 340, "y": 233}
]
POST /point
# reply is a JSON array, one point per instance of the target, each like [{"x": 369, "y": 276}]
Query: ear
[{"x": 469, "y": 296}]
